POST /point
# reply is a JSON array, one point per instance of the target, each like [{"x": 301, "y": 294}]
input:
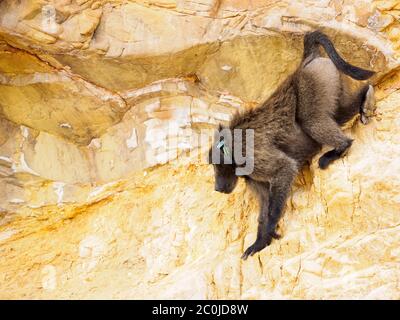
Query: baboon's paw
[
  {"x": 256, "y": 247},
  {"x": 275, "y": 235},
  {"x": 324, "y": 161},
  {"x": 369, "y": 106}
]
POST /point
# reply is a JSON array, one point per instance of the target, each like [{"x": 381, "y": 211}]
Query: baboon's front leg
[
  {"x": 278, "y": 195},
  {"x": 271, "y": 211},
  {"x": 263, "y": 238}
]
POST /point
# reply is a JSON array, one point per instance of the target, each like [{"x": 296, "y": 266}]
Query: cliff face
[{"x": 98, "y": 97}]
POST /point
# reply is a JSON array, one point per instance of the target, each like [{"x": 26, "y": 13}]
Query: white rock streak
[{"x": 132, "y": 141}]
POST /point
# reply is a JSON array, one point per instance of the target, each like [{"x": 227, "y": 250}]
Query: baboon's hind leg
[
  {"x": 369, "y": 106},
  {"x": 325, "y": 130},
  {"x": 363, "y": 102},
  {"x": 330, "y": 156},
  {"x": 318, "y": 104},
  {"x": 351, "y": 104}
]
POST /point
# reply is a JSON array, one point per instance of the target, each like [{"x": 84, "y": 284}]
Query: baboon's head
[
  {"x": 224, "y": 172},
  {"x": 225, "y": 178}
]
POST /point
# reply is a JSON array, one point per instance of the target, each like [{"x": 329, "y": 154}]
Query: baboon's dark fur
[{"x": 290, "y": 127}]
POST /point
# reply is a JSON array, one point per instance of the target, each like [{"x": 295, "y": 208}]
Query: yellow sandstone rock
[{"x": 106, "y": 110}]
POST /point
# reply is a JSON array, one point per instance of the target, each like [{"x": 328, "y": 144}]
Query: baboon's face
[{"x": 225, "y": 177}]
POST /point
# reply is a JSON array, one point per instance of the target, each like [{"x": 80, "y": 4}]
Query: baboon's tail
[{"x": 315, "y": 38}]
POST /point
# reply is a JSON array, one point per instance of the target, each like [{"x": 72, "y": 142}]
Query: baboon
[{"x": 290, "y": 127}]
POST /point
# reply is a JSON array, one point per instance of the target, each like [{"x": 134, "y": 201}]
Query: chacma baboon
[{"x": 289, "y": 128}]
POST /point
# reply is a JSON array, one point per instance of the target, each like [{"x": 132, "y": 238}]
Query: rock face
[{"x": 105, "y": 113}]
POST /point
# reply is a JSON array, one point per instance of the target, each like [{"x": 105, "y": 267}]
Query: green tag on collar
[{"x": 225, "y": 149}]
